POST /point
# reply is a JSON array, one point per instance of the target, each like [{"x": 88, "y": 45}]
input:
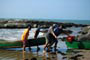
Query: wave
[{"x": 15, "y": 34}]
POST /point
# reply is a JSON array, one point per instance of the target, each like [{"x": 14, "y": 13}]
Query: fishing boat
[
  {"x": 85, "y": 44},
  {"x": 31, "y": 42},
  {"x": 41, "y": 41}
]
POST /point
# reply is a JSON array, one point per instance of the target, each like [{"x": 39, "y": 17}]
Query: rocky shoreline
[{"x": 24, "y": 23}]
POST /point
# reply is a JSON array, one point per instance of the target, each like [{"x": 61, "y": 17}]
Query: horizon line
[{"x": 45, "y": 18}]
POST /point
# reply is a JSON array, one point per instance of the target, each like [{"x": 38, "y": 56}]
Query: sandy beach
[{"x": 69, "y": 55}]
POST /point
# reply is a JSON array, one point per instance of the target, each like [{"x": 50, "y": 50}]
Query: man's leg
[
  {"x": 49, "y": 45},
  {"x": 37, "y": 46},
  {"x": 28, "y": 45},
  {"x": 35, "y": 37},
  {"x": 45, "y": 46},
  {"x": 49, "y": 42},
  {"x": 24, "y": 45},
  {"x": 29, "y": 48},
  {"x": 55, "y": 47}
]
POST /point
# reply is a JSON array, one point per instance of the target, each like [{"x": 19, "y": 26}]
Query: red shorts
[{"x": 24, "y": 42}]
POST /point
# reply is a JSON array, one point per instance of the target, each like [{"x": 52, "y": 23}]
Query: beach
[
  {"x": 44, "y": 29},
  {"x": 69, "y": 55},
  {"x": 63, "y": 53}
]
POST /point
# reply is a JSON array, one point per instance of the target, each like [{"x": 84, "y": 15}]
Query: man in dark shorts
[
  {"x": 58, "y": 30},
  {"x": 50, "y": 35},
  {"x": 36, "y": 35}
]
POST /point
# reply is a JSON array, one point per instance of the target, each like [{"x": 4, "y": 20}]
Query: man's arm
[
  {"x": 36, "y": 33},
  {"x": 53, "y": 32}
]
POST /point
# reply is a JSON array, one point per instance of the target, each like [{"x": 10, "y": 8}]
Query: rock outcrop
[
  {"x": 85, "y": 34},
  {"x": 10, "y": 23}
]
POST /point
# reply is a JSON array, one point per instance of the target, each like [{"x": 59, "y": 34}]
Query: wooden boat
[
  {"x": 31, "y": 42},
  {"x": 78, "y": 44}
]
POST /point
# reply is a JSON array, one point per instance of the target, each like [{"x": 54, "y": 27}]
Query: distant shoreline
[{"x": 12, "y": 23}]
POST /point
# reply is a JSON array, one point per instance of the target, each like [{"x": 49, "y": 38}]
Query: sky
[{"x": 45, "y": 9}]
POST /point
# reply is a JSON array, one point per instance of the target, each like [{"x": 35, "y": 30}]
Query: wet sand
[
  {"x": 78, "y": 54},
  {"x": 61, "y": 54},
  {"x": 18, "y": 55},
  {"x": 70, "y": 55}
]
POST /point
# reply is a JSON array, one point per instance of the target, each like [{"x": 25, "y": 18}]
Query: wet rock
[
  {"x": 61, "y": 53},
  {"x": 76, "y": 57},
  {"x": 34, "y": 58},
  {"x": 35, "y": 25},
  {"x": 86, "y": 29},
  {"x": 48, "y": 58},
  {"x": 76, "y": 52},
  {"x": 64, "y": 57},
  {"x": 86, "y": 35},
  {"x": 67, "y": 31}
]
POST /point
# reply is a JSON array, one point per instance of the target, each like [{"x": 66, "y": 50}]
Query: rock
[
  {"x": 86, "y": 29},
  {"x": 85, "y": 37},
  {"x": 23, "y": 23},
  {"x": 85, "y": 34},
  {"x": 35, "y": 25}
]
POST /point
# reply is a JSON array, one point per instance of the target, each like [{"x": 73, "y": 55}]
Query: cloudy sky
[{"x": 45, "y": 9}]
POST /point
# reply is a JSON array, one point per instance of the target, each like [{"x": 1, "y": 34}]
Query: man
[
  {"x": 49, "y": 36},
  {"x": 58, "y": 30},
  {"x": 36, "y": 35},
  {"x": 25, "y": 37},
  {"x": 52, "y": 36}
]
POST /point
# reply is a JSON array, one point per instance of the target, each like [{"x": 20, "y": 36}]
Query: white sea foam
[{"x": 15, "y": 34}]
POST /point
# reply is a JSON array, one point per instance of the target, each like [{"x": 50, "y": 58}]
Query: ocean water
[
  {"x": 55, "y": 20},
  {"x": 66, "y": 21}
]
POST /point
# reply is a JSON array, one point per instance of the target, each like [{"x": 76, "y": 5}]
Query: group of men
[{"x": 51, "y": 36}]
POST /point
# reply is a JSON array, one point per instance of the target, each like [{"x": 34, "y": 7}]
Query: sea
[{"x": 53, "y": 20}]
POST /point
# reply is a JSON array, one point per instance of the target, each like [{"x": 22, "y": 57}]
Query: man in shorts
[
  {"x": 49, "y": 36},
  {"x": 24, "y": 36},
  {"x": 35, "y": 37}
]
